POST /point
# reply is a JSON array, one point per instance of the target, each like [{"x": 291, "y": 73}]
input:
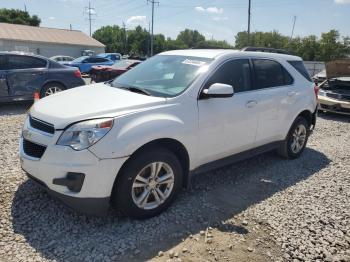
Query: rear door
[
  {"x": 26, "y": 74},
  {"x": 3, "y": 79},
  {"x": 275, "y": 92}
]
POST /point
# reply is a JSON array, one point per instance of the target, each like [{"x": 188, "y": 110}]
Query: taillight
[
  {"x": 77, "y": 73},
  {"x": 316, "y": 91}
]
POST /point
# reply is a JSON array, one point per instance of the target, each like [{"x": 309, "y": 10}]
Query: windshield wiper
[{"x": 135, "y": 90}]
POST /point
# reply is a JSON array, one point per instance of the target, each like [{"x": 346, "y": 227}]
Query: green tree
[
  {"x": 113, "y": 37},
  {"x": 331, "y": 46},
  {"x": 261, "y": 39},
  {"x": 171, "y": 44},
  {"x": 16, "y": 16},
  {"x": 191, "y": 38}
]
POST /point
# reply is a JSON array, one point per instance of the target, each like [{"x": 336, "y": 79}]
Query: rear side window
[
  {"x": 235, "y": 73},
  {"x": 300, "y": 67},
  {"x": 269, "y": 73},
  {"x": 25, "y": 62}
]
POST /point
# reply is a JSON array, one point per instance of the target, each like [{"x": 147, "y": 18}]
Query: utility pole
[
  {"x": 294, "y": 20},
  {"x": 152, "y": 36},
  {"x": 125, "y": 37},
  {"x": 90, "y": 11},
  {"x": 249, "y": 13},
  {"x": 25, "y": 8}
]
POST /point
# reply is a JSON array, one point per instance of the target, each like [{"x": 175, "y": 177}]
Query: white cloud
[
  {"x": 137, "y": 19},
  {"x": 52, "y": 18},
  {"x": 219, "y": 18},
  {"x": 211, "y": 9},
  {"x": 342, "y": 2}
]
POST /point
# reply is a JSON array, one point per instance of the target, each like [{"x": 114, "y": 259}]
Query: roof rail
[{"x": 266, "y": 49}]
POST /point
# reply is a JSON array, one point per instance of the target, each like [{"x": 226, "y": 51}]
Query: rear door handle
[
  {"x": 291, "y": 93},
  {"x": 251, "y": 103}
]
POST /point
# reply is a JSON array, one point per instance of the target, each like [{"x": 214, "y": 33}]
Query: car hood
[{"x": 91, "y": 101}]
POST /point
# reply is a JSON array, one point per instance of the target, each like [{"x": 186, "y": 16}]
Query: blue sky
[{"x": 220, "y": 19}]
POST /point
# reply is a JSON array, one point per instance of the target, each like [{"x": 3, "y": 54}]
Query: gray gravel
[{"x": 300, "y": 208}]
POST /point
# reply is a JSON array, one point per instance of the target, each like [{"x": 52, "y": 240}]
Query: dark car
[
  {"x": 22, "y": 74},
  {"x": 105, "y": 73}
]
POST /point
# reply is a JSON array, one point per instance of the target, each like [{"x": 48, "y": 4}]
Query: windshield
[
  {"x": 163, "y": 75},
  {"x": 122, "y": 64},
  {"x": 79, "y": 59}
]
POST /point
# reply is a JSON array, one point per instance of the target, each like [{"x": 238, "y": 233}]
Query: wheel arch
[
  {"x": 309, "y": 117},
  {"x": 172, "y": 145},
  {"x": 48, "y": 82}
]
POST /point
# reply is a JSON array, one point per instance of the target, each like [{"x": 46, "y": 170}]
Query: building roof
[{"x": 46, "y": 35}]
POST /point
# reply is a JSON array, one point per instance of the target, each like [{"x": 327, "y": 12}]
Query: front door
[
  {"x": 228, "y": 125},
  {"x": 26, "y": 74}
]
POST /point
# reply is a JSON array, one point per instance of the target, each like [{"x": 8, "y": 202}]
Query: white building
[{"x": 46, "y": 41}]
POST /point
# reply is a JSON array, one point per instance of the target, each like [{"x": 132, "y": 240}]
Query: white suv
[{"x": 136, "y": 140}]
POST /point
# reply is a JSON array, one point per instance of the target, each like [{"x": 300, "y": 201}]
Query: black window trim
[
  {"x": 217, "y": 68},
  {"x": 270, "y": 59}
]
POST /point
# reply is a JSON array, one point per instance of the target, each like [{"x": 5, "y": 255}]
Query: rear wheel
[
  {"x": 50, "y": 89},
  {"x": 148, "y": 184},
  {"x": 296, "y": 140}
]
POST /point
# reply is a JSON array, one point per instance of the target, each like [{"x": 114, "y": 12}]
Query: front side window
[
  {"x": 235, "y": 73},
  {"x": 163, "y": 75},
  {"x": 25, "y": 62},
  {"x": 269, "y": 73}
]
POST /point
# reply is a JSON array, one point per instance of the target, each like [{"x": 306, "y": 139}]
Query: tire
[
  {"x": 289, "y": 149},
  {"x": 49, "y": 89},
  {"x": 129, "y": 190}
]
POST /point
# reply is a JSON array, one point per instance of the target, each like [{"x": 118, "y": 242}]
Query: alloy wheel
[
  {"x": 153, "y": 185},
  {"x": 52, "y": 90},
  {"x": 299, "y": 138}
]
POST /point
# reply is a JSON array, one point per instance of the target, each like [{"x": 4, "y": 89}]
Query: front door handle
[
  {"x": 251, "y": 103},
  {"x": 291, "y": 93}
]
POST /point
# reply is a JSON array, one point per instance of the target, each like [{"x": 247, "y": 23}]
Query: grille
[
  {"x": 32, "y": 149},
  {"x": 339, "y": 96},
  {"x": 41, "y": 125}
]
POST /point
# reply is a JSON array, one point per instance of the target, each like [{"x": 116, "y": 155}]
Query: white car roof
[{"x": 213, "y": 53}]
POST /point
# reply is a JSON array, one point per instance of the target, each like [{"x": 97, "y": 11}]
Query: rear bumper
[{"x": 89, "y": 206}]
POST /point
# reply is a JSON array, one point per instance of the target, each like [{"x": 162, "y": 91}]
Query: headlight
[{"x": 84, "y": 134}]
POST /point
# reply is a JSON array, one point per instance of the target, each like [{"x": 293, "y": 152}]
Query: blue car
[
  {"x": 111, "y": 56},
  {"x": 84, "y": 63}
]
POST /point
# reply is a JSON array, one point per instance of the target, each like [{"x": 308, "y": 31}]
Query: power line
[
  {"x": 90, "y": 12},
  {"x": 152, "y": 36}
]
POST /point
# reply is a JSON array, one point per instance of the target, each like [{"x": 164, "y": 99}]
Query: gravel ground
[{"x": 262, "y": 209}]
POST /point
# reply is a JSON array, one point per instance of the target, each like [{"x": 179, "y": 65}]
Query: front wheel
[
  {"x": 296, "y": 140},
  {"x": 148, "y": 184}
]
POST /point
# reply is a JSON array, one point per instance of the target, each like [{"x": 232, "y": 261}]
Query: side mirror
[{"x": 218, "y": 90}]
